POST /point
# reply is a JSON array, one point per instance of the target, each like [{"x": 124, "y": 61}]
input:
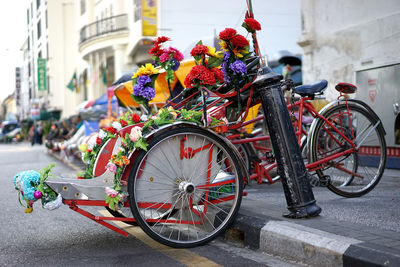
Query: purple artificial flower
[
  {"x": 175, "y": 64},
  {"x": 238, "y": 67},
  {"x": 224, "y": 65},
  {"x": 142, "y": 80},
  {"x": 140, "y": 88},
  {"x": 226, "y": 56},
  {"x": 137, "y": 89},
  {"x": 148, "y": 93}
]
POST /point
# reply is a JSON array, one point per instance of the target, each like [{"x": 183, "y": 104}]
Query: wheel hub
[{"x": 186, "y": 187}]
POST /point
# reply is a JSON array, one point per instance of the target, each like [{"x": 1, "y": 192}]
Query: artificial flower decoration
[
  {"x": 168, "y": 58},
  {"x": 236, "y": 49},
  {"x": 251, "y": 25},
  {"x": 31, "y": 186},
  {"x": 143, "y": 84},
  {"x": 205, "y": 73}
]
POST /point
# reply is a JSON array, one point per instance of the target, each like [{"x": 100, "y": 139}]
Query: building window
[
  {"x": 37, "y": 4},
  {"x": 31, "y": 10},
  {"x": 29, "y": 43},
  {"x": 46, "y": 20},
  {"x": 138, "y": 10},
  {"x": 27, "y": 16},
  {"x": 47, "y": 51},
  {"x": 83, "y": 7},
  {"x": 40, "y": 54},
  {"x": 29, "y": 69},
  {"x": 39, "y": 29}
]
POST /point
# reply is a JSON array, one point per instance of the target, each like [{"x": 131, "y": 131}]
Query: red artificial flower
[
  {"x": 199, "y": 50},
  {"x": 135, "y": 118},
  {"x": 188, "y": 81},
  {"x": 110, "y": 130},
  {"x": 253, "y": 24},
  {"x": 81, "y": 177},
  {"x": 227, "y": 34},
  {"x": 207, "y": 78},
  {"x": 156, "y": 50},
  {"x": 98, "y": 140},
  {"x": 88, "y": 150},
  {"x": 161, "y": 39},
  {"x": 239, "y": 41},
  {"x": 200, "y": 74},
  {"x": 218, "y": 74},
  {"x": 123, "y": 123}
]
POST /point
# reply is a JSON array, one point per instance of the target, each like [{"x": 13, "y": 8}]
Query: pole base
[{"x": 303, "y": 212}]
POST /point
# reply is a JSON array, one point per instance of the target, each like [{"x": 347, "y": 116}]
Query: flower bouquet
[
  {"x": 168, "y": 58},
  {"x": 206, "y": 72},
  {"x": 143, "y": 84}
]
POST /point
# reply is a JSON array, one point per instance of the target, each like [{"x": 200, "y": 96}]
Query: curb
[{"x": 311, "y": 246}]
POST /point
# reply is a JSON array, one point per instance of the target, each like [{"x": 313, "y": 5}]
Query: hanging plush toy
[{"x": 31, "y": 186}]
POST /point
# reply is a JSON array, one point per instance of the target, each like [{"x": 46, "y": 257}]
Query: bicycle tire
[
  {"x": 159, "y": 183},
  {"x": 244, "y": 152},
  {"x": 362, "y": 178}
]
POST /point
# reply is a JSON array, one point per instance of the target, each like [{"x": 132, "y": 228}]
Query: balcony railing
[{"x": 104, "y": 26}]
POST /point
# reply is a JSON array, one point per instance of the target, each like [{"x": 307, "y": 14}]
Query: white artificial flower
[
  {"x": 136, "y": 133},
  {"x": 116, "y": 125},
  {"x": 102, "y": 134},
  {"x": 144, "y": 117},
  {"x": 55, "y": 204}
]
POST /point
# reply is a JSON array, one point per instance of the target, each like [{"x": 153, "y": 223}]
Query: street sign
[
  {"x": 149, "y": 17},
  {"x": 41, "y": 69}
]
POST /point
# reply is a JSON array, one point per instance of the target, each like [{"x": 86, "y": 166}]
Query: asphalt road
[{"x": 65, "y": 238}]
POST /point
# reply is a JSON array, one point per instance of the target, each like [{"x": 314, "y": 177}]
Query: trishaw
[{"x": 185, "y": 185}]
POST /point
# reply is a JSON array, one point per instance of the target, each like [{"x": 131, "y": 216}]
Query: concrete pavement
[{"x": 331, "y": 239}]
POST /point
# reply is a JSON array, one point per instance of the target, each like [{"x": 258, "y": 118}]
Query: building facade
[
  {"x": 75, "y": 49},
  {"x": 49, "y": 56},
  {"x": 356, "y": 41},
  {"x": 113, "y": 40}
]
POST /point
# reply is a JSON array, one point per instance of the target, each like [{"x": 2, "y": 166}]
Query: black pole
[{"x": 291, "y": 168}]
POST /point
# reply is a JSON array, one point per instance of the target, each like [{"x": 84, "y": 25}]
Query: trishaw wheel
[{"x": 187, "y": 188}]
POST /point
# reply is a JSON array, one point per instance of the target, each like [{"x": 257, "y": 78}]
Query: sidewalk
[{"x": 323, "y": 240}]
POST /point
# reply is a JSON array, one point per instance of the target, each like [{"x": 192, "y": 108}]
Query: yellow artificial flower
[
  {"x": 82, "y": 147},
  {"x": 223, "y": 45},
  {"x": 239, "y": 52},
  {"x": 148, "y": 70},
  {"x": 211, "y": 52}
]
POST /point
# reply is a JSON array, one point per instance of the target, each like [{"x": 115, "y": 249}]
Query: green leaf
[
  {"x": 199, "y": 43},
  {"x": 140, "y": 100},
  {"x": 214, "y": 62},
  {"x": 198, "y": 57},
  {"x": 141, "y": 144}
]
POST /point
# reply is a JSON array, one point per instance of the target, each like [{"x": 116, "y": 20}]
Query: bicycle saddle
[{"x": 311, "y": 89}]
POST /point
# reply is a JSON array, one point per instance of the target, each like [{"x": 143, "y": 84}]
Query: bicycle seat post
[{"x": 291, "y": 168}]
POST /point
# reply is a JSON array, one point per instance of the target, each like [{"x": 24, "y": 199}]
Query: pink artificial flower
[
  {"x": 164, "y": 57},
  {"x": 111, "y": 167},
  {"x": 136, "y": 133},
  {"x": 111, "y": 192},
  {"x": 177, "y": 54}
]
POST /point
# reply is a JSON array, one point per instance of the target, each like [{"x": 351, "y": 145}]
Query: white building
[
  {"x": 52, "y": 36},
  {"x": 358, "y": 42},
  {"x": 112, "y": 41}
]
